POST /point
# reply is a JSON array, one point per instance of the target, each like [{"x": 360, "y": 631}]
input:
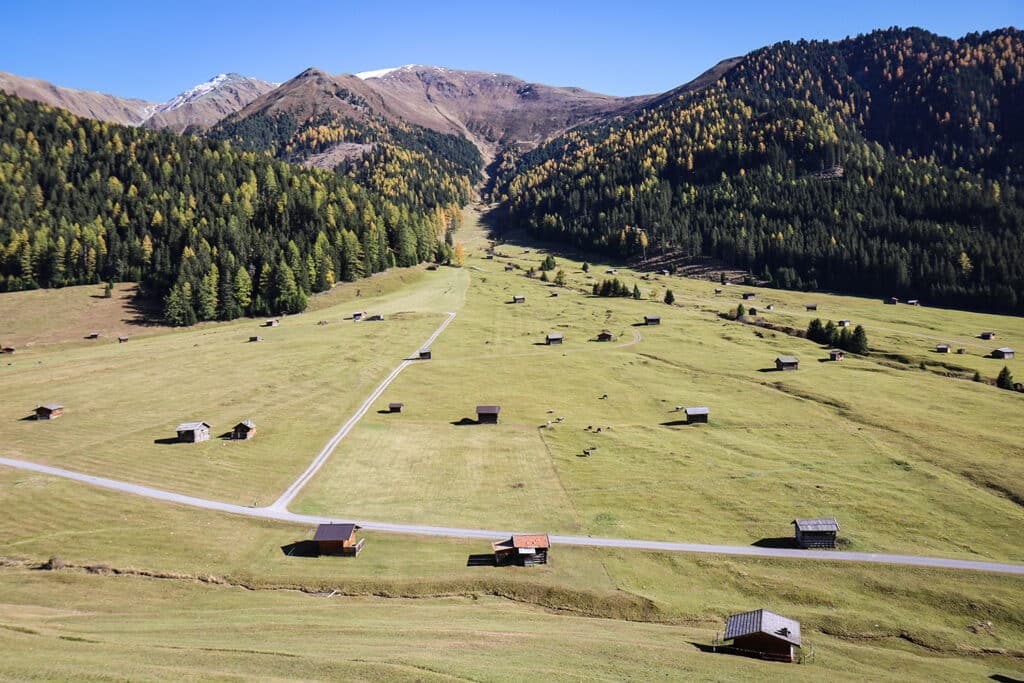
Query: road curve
[
  {"x": 283, "y": 515},
  {"x": 318, "y": 462}
]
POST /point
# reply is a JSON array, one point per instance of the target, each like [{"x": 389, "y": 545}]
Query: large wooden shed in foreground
[
  {"x": 763, "y": 634},
  {"x": 193, "y": 432},
  {"x": 338, "y": 539},
  {"x": 523, "y": 550},
  {"x": 487, "y": 414},
  {"x": 816, "y": 533},
  {"x": 787, "y": 363}
]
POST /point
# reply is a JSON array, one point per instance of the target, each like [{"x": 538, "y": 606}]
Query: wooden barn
[
  {"x": 749, "y": 296},
  {"x": 358, "y": 315},
  {"x": 395, "y": 407},
  {"x": 942, "y": 348},
  {"x": 816, "y": 533},
  {"x": 122, "y": 339},
  {"x": 1004, "y": 352},
  {"x": 697, "y": 414},
  {"x": 244, "y": 430},
  {"x": 554, "y": 338},
  {"x": 787, "y": 363},
  {"x": 519, "y": 299},
  {"x": 763, "y": 634},
  {"x": 604, "y": 335},
  {"x": 93, "y": 335},
  {"x": 844, "y": 323},
  {"x": 522, "y": 550},
  {"x": 652, "y": 320},
  {"x": 913, "y": 302},
  {"x": 987, "y": 335},
  {"x": 338, "y": 539},
  {"x": 718, "y": 291},
  {"x": 425, "y": 354},
  {"x": 508, "y": 267},
  {"x": 256, "y": 339},
  {"x": 50, "y": 411},
  {"x": 271, "y": 323},
  {"x": 751, "y": 311},
  {"x": 193, "y": 432},
  {"x": 811, "y": 307},
  {"x": 487, "y": 414},
  {"x": 836, "y": 354}
]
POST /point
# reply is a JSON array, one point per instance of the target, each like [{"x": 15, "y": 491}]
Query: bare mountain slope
[
  {"x": 85, "y": 103},
  {"x": 207, "y": 103}
]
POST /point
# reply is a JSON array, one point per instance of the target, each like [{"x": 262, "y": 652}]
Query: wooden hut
[
  {"x": 652, "y": 320},
  {"x": 7, "y": 349},
  {"x": 913, "y": 302},
  {"x": 93, "y": 335},
  {"x": 942, "y": 348},
  {"x": 432, "y": 266},
  {"x": 718, "y": 291},
  {"x": 554, "y": 338},
  {"x": 193, "y": 432},
  {"x": 987, "y": 335},
  {"x": 770, "y": 307},
  {"x": 844, "y": 323},
  {"x": 358, "y": 315},
  {"x": 487, "y": 414},
  {"x": 961, "y": 351},
  {"x": 256, "y": 339},
  {"x": 523, "y": 550},
  {"x": 763, "y": 634},
  {"x": 50, "y": 411},
  {"x": 836, "y": 354},
  {"x": 271, "y": 323},
  {"x": 519, "y": 299},
  {"x": 892, "y": 300},
  {"x": 697, "y": 414},
  {"x": 816, "y": 533},
  {"x": 425, "y": 354},
  {"x": 244, "y": 430},
  {"x": 749, "y": 296},
  {"x": 787, "y": 363},
  {"x": 508, "y": 267},
  {"x": 811, "y": 307},
  {"x": 1004, "y": 352},
  {"x": 122, "y": 339},
  {"x": 751, "y": 311},
  {"x": 395, "y": 407},
  {"x": 338, "y": 539},
  {"x": 604, "y": 335}
]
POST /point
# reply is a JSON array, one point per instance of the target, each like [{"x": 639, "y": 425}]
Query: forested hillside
[
  {"x": 216, "y": 232},
  {"x": 887, "y": 164}
]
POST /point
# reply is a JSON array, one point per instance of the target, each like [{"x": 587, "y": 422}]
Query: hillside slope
[
  {"x": 207, "y": 103},
  {"x": 93, "y": 105}
]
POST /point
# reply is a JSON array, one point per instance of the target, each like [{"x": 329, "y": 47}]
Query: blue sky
[{"x": 155, "y": 50}]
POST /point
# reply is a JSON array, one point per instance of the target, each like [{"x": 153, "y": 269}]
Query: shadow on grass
[
  {"x": 1006, "y": 679},
  {"x": 464, "y": 422},
  {"x": 481, "y": 560},
  {"x": 769, "y": 370},
  {"x": 167, "y": 441},
  {"x": 676, "y": 423},
  {"x": 384, "y": 411},
  {"x": 703, "y": 647},
  {"x": 301, "y": 549},
  {"x": 28, "y": 418},
  {"x": 227, "y": 436},
  {"x": 775, "y": 542}
]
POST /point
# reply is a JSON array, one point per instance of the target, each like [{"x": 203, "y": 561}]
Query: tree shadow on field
[
  {"x": 167, "y": 441},
  {"x": 775, "y": 542},
  {"x": 464, "y": 422},
  {"x": 301, "y": 549},
  {"x": 481, "y": 560}
]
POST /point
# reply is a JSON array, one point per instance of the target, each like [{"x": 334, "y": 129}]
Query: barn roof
[
  {"x": 523, "y": 541},
  {"x": 555, "y": 335},
  {"x": 786, "y": 360},
  {"x": 52, "y": 406},
  {"x": 396, "y": 405},
  {"x": 699, "y": 410},
  {"x": 487, "y": 410},
  {"x": 1005, "y": 349},
  {"x": 248, "y": 424},
  {"x": 191, "y": 426},
  {"x": 763, "y": 621},
  {"x": 820, "y": 524},
  {"x": 334, "y": 532},
  {"x": 652, "y": 317}
]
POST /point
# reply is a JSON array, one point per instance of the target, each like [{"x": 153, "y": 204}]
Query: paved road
[
  {"x": 281, "y": 504},
  {"x": 281, "y": 514}
]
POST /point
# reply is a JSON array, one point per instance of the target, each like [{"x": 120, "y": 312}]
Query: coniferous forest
[
  {"x": 887, "y": 164},
  {"x": 215, "y": 232}
]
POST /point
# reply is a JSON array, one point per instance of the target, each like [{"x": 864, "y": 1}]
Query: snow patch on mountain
[
  {"x": 380, "y": 73},
  {"x": 195, "y": 93}
]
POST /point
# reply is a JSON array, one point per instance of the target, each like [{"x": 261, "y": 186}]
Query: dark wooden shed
[
  {"x": 7, "y": 349},
  {"x": 1005, "y": 352},
  {"x": 751, "y": 311},
  {"x": 256, "y": 339},
  {"x": 836, "y": 354},
  {"x": 425, "y": 354},
  {"x": 816, "y": 533},
  {"x": 787, "y": 363},
  {"x": 749, "y": 296},
  {"x": 487, "y": 414},
  {"x": 338, "y": 539},
  {"x": 518, "y": 299},
  {"x": 376, "y": 317},
  {"x": 93, "y": 335},
  {"x": 271, "y": 323},
  {"x": 50, "y": 411},
  {"x": 395, "y": 407},
  {"x": 554, "y": 338},
  {"x": 508, "y": 267},
  {"x": 697, "y": 414},
  {"x": 988, "y": 335},
  {"x": 432, "y": 266},
  {"x": 844, "y": 323},
  {"x": 942, "y": 348},
  {"x": 122, "y": 339},
  {"x": 193, "y": 432},
  {"x": 652, "y": 320},
  {"x": 604, "y": 335},
  {"x": 763, "y": 634},
  {"x": 358, "y": 315},
  {"x": 523, "y": 550},
  {"x": 812, "y": 307},
  {"x": 718, "y": 290},
  {"x": 244, "y": 430},
  {"x": 913, "y": 302}
]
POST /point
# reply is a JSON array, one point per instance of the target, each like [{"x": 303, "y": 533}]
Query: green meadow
[{"x": 910, "y": 460}]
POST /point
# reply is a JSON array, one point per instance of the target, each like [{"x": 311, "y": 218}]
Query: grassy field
[{"x": 909, "y": 460}]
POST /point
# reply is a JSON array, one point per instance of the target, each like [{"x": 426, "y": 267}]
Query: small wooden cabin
[
  {"x": 522, "y": 550},
  {"x": 508, "y": 267},
  {"x": 244, "y": 430},
  {"x": 122, "y": 339},
  {"x": 652, "y": 320},
  {"x": 93, "y": 335},
  {"x": 338, "y": 539},
  {"x": 604, "y": 335},
  {"x": 271, "y": 323},
  {"x": 7, "y": 349},
  {"x": 358, "y": 315},
  {"x": 718, "y": 291},
  {"x": 961, "y": 351},
  {"x": 987, "y": 335},
  {"x": 554, "y": 338},
  {"x": 193, "y": 432},
  {"x": 519, "y": 299},
  {"x": 749, "y": 296},
  {"x": 425, "y": 354},
  {"x": 395, "y": 407},
  {"x": 256, "y": 339},
  {"x": 816, "y": 533},
  {"x": 665, "y": 271},
  {"x": 1005, "y": 352},
  {"x": 697, "y": 414},
  {"x": 913, "y": 302},
  {"x": 763, "y": 634},
  {"x": 751, "y": 311},
  {"x": 787, "y": 363},
  {"x": 50, "y": 411},
  {"x": 942, "y": 348},
  {"x": 893, "y": 300},
  {"x": 487, "y": 414},
  {"x": 844, "y": 323},
  {"x": 811, "y": 307},
  {"x": 836, "y": 354}
]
